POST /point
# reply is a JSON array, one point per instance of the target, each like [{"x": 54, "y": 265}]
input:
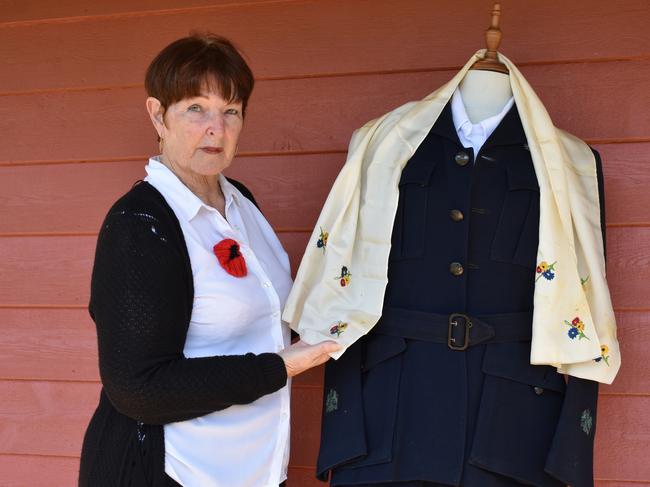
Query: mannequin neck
[{"x": 484, "y": 93}]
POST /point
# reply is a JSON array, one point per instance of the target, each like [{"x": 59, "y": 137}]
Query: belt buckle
[{"x": 453, "y": 322}]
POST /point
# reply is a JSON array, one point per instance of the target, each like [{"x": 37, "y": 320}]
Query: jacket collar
[{"x": 509, "y": 132}]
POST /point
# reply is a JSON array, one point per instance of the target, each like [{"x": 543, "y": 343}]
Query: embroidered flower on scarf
[
  {"x": 230, "y": 258},
  {"x": 604, "y": 351},
  {"x": 344, "y": 278},
  {"x": 576, "y": 328},
  {"x": 583, "y": 281},
  {"x": 546, "y": 270},
  {"x": 338, "y": 328},
  {"x": 322, "y": 240}
]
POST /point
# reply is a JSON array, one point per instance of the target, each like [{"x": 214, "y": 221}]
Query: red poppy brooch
[{"x": 230, "y": 258}]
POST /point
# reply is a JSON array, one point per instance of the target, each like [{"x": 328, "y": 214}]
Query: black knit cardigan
[{"x": 141, "y": 303}]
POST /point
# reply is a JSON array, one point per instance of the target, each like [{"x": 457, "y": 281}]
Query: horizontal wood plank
[
  {"x": 48, "y": 344},
  {"x": 68, "y": 198},
  {"x": 633, "y": 337},
  {"x": 38, "y": 471},
  {"x": 369, "y": 35},
  {"x": 45, "y": 418},
  {"x": 628, "y": 266},
  {"x": 627, "y": 179},
  {"x": 56, "y": 270},
  {"x": 622, "y": 438},
  {"x": 46, "y": 270},
  {"x": 313, "y": 114}
]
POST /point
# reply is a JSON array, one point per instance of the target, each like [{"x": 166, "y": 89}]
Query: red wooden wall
[{"x": 74, "y": 136}]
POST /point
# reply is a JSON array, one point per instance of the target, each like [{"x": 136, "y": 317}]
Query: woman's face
[{"x": 199, "y": 134}]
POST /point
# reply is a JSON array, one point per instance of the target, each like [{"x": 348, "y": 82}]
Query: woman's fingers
[{"x": 301, "y": 356}]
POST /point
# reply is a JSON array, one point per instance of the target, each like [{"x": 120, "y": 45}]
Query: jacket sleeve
[
  {"x": 571, "y": 456},
  {"x": 139, "y": 302}
]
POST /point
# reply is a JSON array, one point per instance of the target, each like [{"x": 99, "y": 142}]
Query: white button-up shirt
[
  {"x": 471, "y": 134},
  {"x": 243, "y": 445}
]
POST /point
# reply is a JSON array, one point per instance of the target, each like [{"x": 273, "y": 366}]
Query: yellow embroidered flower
[
  {"x": 604, "y": 350},
  {"x": 542, "y": 267},
  {"x": 580, "y": 326}
]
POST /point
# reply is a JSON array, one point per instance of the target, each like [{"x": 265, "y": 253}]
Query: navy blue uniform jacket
[{"x": 407, "y": 402}]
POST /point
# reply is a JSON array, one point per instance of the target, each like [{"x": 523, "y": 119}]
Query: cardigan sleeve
[{"x": 139, "y": 303}]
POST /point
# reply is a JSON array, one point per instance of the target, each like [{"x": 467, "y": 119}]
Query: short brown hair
[{"x": 187, "y": 65}]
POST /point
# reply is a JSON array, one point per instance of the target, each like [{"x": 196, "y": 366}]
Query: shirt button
[
  {"x": 456, "y": 215},
  {"x": 456, "y": 268},
  {"x": 462, "y": 158},
  {"x": 266, "y": 284},
  {"x": 539, "y": 390}
]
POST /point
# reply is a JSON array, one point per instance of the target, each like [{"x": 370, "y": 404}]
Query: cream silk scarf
[{"x": 339, "y": 290}]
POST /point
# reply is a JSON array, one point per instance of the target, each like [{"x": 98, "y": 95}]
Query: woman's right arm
[{"x": 140, "y": 302}]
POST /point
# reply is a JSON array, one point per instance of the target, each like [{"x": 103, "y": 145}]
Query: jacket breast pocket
[
  {"x": 519, "y": 411},
  {"x": 409, "y": 229},
  {"x": 517, "y": 233}
]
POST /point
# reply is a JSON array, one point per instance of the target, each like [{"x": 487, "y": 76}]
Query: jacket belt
[{"x": 458, "y": 330}]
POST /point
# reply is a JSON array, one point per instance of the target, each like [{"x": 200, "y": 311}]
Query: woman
[{"x": 187, "y": 288}]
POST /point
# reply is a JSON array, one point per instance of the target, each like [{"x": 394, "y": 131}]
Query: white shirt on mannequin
[{"x": 471, "y": 134}]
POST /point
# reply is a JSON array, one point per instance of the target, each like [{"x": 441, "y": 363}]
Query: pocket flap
[
  {"x": 418, "y": 170},
  {"x": 512, "y": 361},
  {"x": 521, "y": 175},
  {"x": 380, "y": 348}
]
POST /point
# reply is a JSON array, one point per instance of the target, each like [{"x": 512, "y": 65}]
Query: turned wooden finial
[{"x": 493, "y": 37}]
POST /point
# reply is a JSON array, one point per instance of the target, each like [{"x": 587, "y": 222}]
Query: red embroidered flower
[{"x": 230, "y": 258}]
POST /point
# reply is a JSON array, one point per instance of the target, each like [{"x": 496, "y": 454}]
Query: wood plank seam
[
  {"x": 136, "y": 14},
  {"x": 343, "y": 74},
  {"x": 284, "y": 153},
  {"x": 287, "y": 153}
]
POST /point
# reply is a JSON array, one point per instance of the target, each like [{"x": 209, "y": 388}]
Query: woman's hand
[{"x": 300, "y": 357}]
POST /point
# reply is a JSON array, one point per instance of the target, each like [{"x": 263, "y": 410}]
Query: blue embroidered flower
[
  {"x": 322, "y": 240},
  {"x": 573, "y": 332},
  {"x": 545, "y": 270},
  {"x": 344, "y": 277},
  {"x": 549, "y": 275}
]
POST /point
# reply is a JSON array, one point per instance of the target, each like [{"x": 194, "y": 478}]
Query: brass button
[
  {"x": 456, "y": 215},
  {"x": 456, "y": 268},
  {"x": 462, "y": 158},
  {"x": 539, "y": 390}
]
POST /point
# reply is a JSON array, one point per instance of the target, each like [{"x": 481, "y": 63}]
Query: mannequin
[
  {"x": 441, "y": 391},
  {"x": 484, "y": 93}
]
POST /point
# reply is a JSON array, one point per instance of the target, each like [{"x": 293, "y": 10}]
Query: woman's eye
[
  {"x": 232, "y": 111},
  {"x": 194, "y": 108}
]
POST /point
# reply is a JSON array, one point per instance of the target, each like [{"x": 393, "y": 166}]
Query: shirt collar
[
  {"x": 183, "y": 199},
  {"x": 463, "y": 124}
]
